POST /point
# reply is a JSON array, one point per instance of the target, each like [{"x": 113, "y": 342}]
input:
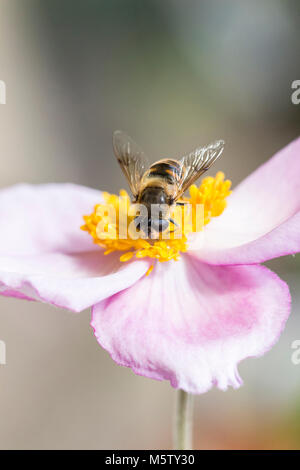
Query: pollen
[{"x": 111, "y": 223}]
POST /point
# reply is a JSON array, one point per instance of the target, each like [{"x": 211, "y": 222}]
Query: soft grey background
[{"x": 174, "y": 75}]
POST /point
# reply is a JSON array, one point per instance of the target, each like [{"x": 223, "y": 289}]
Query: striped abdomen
[
  {"x": 159, "y": 183},
  {"x": 168, "y": 170}
]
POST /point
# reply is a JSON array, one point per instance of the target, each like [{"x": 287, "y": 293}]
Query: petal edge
[{"x": 232, "y": 312}]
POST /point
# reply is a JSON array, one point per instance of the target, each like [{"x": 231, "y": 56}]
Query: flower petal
[
  {"x": 45, "y": 218},
  {"x": 45, "y": 256},
  {"x": 73, "y": 281},
  {"x": 262, "y": 220},
  {"x": 192, "y": 323}
]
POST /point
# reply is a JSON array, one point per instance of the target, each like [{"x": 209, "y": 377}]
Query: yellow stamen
[
  {"x": 127, "y": 256},
  {"x": 149, "y": 270},
  {"x": 111, "y": 231}
]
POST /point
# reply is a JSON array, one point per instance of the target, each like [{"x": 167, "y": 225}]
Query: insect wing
[
  {"x": 131, "y": 158},
  {"x": 197, "y": 162}
]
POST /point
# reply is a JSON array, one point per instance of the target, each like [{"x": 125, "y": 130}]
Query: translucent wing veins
[
  {"x": 197, "y": 162},
  {"x": 134, "y": 163},
  {"x": 131, "y": 158}
]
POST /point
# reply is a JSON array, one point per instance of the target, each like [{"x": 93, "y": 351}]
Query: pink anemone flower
[{"x": 197, "y": 315}]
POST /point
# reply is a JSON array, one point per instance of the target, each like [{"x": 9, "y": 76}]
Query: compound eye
[{"x": 159, "y": 225}]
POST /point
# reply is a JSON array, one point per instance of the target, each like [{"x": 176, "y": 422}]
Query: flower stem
[{"x": 183, "y": 421}]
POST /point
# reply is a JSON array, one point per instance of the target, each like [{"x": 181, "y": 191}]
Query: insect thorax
[{"x": 153, "y": 195}]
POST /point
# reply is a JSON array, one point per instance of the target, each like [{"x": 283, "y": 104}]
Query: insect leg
[{"x": 173, "y": 222}]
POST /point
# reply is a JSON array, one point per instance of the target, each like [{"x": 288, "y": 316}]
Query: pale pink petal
[
  {"x": 45, "y": 218},
  {"x": 45, "y": 256},
  {"x": 192, "y": 323},
  {"x": 262, "y": 220},
  {"x": 73, "y": 281}
]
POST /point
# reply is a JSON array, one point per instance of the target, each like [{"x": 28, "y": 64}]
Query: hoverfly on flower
[
  {"x": 157, "y": 188},
  {"x": 191, "y": 321}
]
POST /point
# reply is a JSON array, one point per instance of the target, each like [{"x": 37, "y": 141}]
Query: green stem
[{"x": 183, "y": 421}]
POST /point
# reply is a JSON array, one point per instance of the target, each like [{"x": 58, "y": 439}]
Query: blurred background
[{"x": 174, "y": 75}]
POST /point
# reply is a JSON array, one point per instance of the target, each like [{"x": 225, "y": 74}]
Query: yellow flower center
[{"x": 110, "y": 224}]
